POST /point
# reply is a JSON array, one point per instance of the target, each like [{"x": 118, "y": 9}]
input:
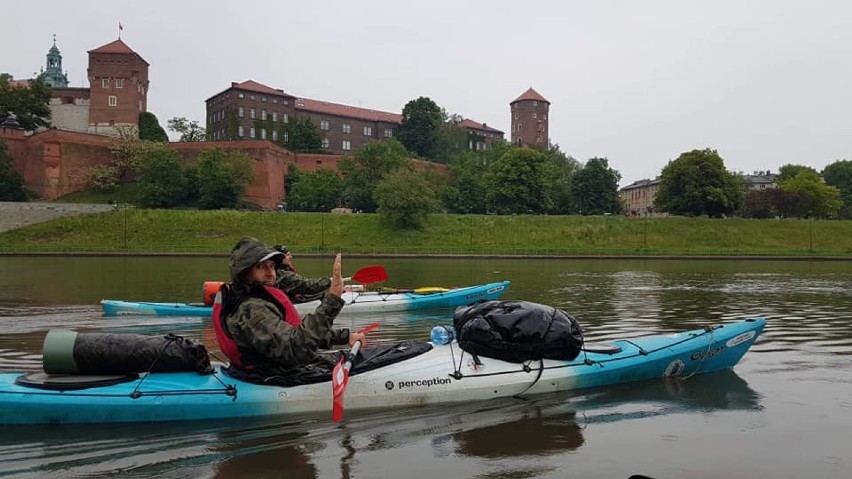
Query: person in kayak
[
  {"x": 257, "y": 326},
  {"x": 298, "y": 288}
]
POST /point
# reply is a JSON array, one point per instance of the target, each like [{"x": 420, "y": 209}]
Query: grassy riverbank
[{"x": 168, "y": 231}]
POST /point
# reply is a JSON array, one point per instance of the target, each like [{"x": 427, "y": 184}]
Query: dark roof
[
  {"x": 116, "y": 46},
  {"x": 337, "y": 109},
  {"x": 530, "y": 95},
  {"x": 468, "y": 123}
]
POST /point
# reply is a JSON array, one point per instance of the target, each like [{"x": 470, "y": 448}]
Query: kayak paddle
[
  {"x": 369, "y": 274},
  {"x": 340, "y": 376}
]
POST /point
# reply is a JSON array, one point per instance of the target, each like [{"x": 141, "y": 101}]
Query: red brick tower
[
  {"x": 529, "y": 119},
  {"x": 118, "y": 78}
]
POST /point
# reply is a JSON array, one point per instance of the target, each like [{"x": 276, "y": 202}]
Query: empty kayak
[
  {"x": 437, "y": 374},
  {"x": 356, "y": 301}
]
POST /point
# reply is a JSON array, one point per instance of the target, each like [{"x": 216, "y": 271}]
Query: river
[{"x": 784, "y": 412}]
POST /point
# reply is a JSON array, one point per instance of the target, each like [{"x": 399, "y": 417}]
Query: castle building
[
  {"x": 254, "y": 111},
  {"x": 530, "y": 119},
  {"x": 52, "y": 76}
]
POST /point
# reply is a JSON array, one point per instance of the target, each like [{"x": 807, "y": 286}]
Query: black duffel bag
[{"x": 517, "y": 331}]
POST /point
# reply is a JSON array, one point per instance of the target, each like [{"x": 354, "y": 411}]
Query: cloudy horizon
[{"x": 764, "y": 83}]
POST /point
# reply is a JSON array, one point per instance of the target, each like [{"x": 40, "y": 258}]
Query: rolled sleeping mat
[
  {"x": 209, "y": 290},
  {"x": 69, "y": 352}
]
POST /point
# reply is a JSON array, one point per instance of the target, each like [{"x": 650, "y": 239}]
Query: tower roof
[
  {"x": 116, "y": 46},
  {"x": 530, "y": 95}
]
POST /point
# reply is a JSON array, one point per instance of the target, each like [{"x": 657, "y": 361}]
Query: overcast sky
[{"x": 766, "y": 83}]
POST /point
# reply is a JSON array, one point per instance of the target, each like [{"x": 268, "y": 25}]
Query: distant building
[
  {"x": 252, "y": 110},
  {"x": 760, "y": 181},
  {"x": 530, "y": 119},
  {"x": 52, "y": 76},
  {"x": 638, "y": 197}
]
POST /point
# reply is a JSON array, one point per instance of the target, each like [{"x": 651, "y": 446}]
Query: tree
[
  {"x": 30, "y": 104},
  {"x": 405, "y": 198},
  {"x": 222, "y": 177},
  {"x": 788, "y": 172},
  {"x": 163, "y": 183},
  {"x": 421, "y": 119},
  {"x": 189, "y": 130},
  {"x": 150, "y": 129},
  {"x": 819, "y": 200},
  {"x": 302, "y": 136},
  {"x": 595, "y": 188},
  {"x": 562, "y": 168},
  {"x": 11, "y": 182},
  {"x": 364, "y": 168},
  {"x": 839, "y": 175},
  {"x": 318, "y": 190},
  {"x": 450, "y": 140},
  {"x": 697, "y": 183},
  {"x": 518, "y": 182}
]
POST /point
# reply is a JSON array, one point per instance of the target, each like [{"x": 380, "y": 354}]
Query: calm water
[{"x": 785, "y": 412}]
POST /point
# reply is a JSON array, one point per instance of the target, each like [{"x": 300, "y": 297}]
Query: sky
[{"x": 764, "y": 82}]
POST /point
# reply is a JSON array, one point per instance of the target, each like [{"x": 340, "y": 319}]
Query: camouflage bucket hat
[{"x": 247, "y": 253}]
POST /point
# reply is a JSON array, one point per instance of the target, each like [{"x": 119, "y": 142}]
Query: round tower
[{"x": 530, "y": 119}]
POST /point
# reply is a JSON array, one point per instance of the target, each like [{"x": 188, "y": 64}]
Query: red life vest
[{"x": 226, "y": 343}]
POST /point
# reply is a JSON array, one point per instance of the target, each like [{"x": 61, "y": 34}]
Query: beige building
[{"x": 638, "y": 197}]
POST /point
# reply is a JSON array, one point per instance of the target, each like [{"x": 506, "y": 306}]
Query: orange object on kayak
[{"x": 209, "y": 291}]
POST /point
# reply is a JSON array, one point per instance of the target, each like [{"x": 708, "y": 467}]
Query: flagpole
[{"x": 120, "y": 28}]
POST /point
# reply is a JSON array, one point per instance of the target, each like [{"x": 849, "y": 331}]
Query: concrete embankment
[{"x": 17, "y": 214}]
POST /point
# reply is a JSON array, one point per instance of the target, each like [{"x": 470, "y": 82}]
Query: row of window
[
  {"x": 262, "y": 98},
  {"x": 534, "y": 115},
  {"x": 105, "y": 82}
]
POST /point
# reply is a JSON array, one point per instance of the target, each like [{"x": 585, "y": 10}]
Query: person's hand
[
  {"x": 336, "y": 278},
  {"x": 355, "y": 337}
]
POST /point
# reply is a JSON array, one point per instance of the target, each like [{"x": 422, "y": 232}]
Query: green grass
[{"x": 188, "y": 231}]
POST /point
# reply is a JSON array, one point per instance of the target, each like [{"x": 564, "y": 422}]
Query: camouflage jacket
[
  {"x": 272, "y": 346},
  {"x": 295, "y": 286}
]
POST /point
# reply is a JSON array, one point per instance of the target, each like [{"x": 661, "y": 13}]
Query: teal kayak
[
  {"x": 356, "y": 301},
  {"x": 441, "y": 374}
]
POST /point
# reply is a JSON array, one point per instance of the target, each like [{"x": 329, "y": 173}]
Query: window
[
  {"x": 263, "y": 115},
  {"x": 240, "y": 112},
  {"x": 347, "y": 145},
  {"x": 286, "y": 118},
  {"x": 119, "y": 82},
  {"x": 286, "y": 137},
  {"x": 240, "y": 95},
  {"x": 535, "y": 103},
  {"x": 274, "y": 116},
  {"x": 263, "y": 99},
  {"x": 251, "y": 113},
  {"x": 368, "y": 131},
  {"x": 388, "y": 132},
  {"x": 113, "y": 100},
  {"x": 325, "y": 142},
  {"x": 324, "y": 125},
  {"x": 251, "y": 132},
  {"x": 263, "y": 133},
  {"x": 105, "y": 83},
  {"x": 251, "y": 97},
  {"x": 534, "y": 115},
  {"x": 275, "y": 100},
  {"x": 241, "y": 132},
  {"x": 347, "y": 128},
  {"x": 274, "y": 135}
]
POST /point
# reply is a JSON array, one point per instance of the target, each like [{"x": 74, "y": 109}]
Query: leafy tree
[
  {"x": 162, "y": 180},
  {"x": 405, "y": 198},
  {"x": 788, "y": 172},
  {"x": 421, "y": 119},
  {"x": 562, "y": 168},
  {"x": 365, "y": 167},
  {"x": 302, "y": 135},
  {"x": 127, "y": 150},
  {"x": 697, "y": 183},
  {"x": 150, "y": 129},
  {"x": 222, "y": 177},
  {"x": 595, "y": 188},
  {"x": 839, "y": 175},
  {"x": 518, "y": 182},
  {"x": 189, "y": 130},
  {"x": 758, "y": 204},
  {"x": 11, "y": 182},
  {"x": 318, "y": 190},
  {"x": 819, "y": 199},
  {"x": 29, "y": 104},
  {"x": 450, "y": 140}
]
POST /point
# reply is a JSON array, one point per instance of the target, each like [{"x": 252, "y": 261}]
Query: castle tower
[
  {"x": 529, "y": 119},
  {"x": 118, "y": 78},
  {"x": 52, "y": 75}
]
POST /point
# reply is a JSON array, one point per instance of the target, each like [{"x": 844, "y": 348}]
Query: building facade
[
  {"x": 530, "y": 117},
  {"x": 638, "y": 198},
  {"x": 254, "y": 111},
  {"x": 118, "y": 82}
]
